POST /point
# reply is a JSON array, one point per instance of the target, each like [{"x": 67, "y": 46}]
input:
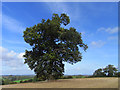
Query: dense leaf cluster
[
  {"x": 51, "y": 46},
  {"x": 109, "y": 71}
]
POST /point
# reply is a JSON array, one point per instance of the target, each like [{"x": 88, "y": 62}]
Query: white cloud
[
  {"x": 11, "y": 59},
  {"x": 72, "y": 12},
  {"x": 97, "y": 43},
  {"x": 57, "y": 7},
  {"x": 109, "y": 30},
  {"x": 113, "y": 38},
  {"x": 12, "y": 24},
  {"x": 13, "y": 63},
  {"x": 11, "y": 54},
  {"x": 2, "y": 50},
  {"x": 20, "y": 55}
]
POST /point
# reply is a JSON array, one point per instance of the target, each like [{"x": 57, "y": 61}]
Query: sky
[{"x": 97, "y": 21}]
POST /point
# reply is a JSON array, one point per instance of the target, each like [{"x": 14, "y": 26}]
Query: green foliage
[
  {"x": 30, "y": 80},
  {"x": 12, "y": 78},
  {"x": 99, "y": 73},
  {"x": 18, "y": 81},
  {"x": 108, "y": 71},
  {"x": 66, "y": 77},
  {"x": 25, "y": 81},
  {"x": 51, "y": 46},
  {"x": 1, "y": 81},
  {"x": 7, "y": 81},
  {"x": 13, "y": 83},
  {"x": 78, "y": 76},
  {"x": 73, "y": 76},
  {"x": 35, "y": 79},
  {"x": 17, "y": 78},
  {"x": 21, "y": 81},
  {"x": 118, "y": 74}
]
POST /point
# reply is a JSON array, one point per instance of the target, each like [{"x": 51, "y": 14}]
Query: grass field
[
  {"x": 78, "y": 77},
  {"x": 18, "y": 81},
  {"x": 70, "y": 83}
]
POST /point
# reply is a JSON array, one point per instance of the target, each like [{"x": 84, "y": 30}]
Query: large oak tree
[{"x": 51, "y": 46}]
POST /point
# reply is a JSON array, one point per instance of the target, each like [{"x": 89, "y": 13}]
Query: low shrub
[
  {"x": 66, "y": 77},
  {"x": 21, "y": 81},
  {"x": 69, "y": 77},
  {"x": 30, "y": 80},
  {"x": 35, "y": 79},
  {"x": 13, "y": 82},
  {"x": 25, "y": 81}
]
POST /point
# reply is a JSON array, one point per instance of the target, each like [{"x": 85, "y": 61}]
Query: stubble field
[{"x": 70, "y": 83}]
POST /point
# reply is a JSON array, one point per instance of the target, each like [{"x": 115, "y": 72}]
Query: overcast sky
[{"x": 98, "y": 23}]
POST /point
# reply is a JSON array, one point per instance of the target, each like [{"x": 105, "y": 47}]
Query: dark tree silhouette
[
  {"x": 99, "y": 73},
  {"x": 51, "y": 46},
  {"x": 110, "y": 70}
]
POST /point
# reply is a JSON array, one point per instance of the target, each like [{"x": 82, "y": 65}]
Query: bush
[
  {"x": 78, "y": 77},
  {"x": 118, "y": 74},
  {"x": 35, "y": 79},
  {"x": 24, "y": 81},
  {"x": 66, "y": 77},
  {"x": 7, "y": 81},
  {"x": 3, "y": 82},
  {"x": 30, "y": 80},
  {"x": 69, "y": 77},
  {"x": 13, "y": 82},
  {"x": 21, "y": 81}
]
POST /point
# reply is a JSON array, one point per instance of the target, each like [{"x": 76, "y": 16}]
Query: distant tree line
[
  {"x": 108, "y": 71},
  {"x": 10, "y": 79}
]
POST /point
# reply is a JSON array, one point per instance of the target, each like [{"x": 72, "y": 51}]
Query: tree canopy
[
  {"x": 51, "y": 45},
  {"x": 99, "y": 73},
  {"x": 109, "y": 71}
]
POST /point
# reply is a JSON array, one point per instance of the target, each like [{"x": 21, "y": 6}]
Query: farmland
[
  {"x": 12, "y": 79},
  {"x": 104, "y": 82}
]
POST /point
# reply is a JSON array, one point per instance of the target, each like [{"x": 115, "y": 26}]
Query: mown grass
[{"x": 18, "y": 81}]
